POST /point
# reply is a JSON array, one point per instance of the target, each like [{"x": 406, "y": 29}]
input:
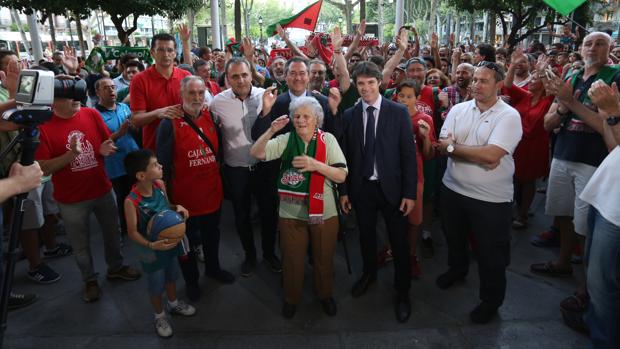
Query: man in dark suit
[
  {"x": 380, "y": 150},
  {"x": 274, "y": 105}
]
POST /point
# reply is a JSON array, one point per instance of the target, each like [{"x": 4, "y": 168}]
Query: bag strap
[{"x": 196, "y": 129}]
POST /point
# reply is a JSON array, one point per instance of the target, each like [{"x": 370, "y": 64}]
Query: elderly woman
[{"x": 312, "y": 162}]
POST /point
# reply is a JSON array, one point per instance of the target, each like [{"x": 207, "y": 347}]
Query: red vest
[{"x": 196, "y": 183}]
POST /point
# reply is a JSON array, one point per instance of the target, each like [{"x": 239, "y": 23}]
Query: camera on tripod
[{"x": 36, "y": 91}]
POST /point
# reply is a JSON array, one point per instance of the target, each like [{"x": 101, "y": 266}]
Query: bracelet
[{"x": 337, "y": 51}]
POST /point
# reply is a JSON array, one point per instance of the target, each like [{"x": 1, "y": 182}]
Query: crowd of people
[{"x": 453, "y": 132}]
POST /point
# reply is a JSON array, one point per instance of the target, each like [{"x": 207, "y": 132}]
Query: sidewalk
[{"x": 246, "y": 314}]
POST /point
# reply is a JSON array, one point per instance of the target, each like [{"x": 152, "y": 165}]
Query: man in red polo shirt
[{"x": 155, "y": 93}]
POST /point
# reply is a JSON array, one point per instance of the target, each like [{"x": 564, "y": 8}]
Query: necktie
[{"x": 369, "y": 145}]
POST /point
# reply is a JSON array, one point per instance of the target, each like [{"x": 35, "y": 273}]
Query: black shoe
[
  {"x": 362, "y": 285},
  {"x": 329, "y": 306},
  {"x": 18, "y": 300},
  {"x": 274, "y": 263},
  {"x": 248, "y": 266},
  {"x": 402, "y": 309},
  {"x": 222, "y": 276},
  {"x": 483, "y": 313},
  {"x": 288, "y": 310},
  {"x": 192, "y": 292},
  {"x": 448, "y": 279}
]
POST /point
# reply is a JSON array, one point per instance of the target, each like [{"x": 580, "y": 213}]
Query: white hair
[{"x": 307, "y": 102}]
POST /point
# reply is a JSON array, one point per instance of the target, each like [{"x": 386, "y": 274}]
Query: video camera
[{"x": 36, "y": 91}]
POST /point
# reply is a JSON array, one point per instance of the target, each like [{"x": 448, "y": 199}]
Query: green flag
[
  {"x": 100, "y": 54},
  {"x": 565, "y": 7}
]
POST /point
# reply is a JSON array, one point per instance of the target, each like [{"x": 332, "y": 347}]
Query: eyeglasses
[{"x": 490, "y": 65}]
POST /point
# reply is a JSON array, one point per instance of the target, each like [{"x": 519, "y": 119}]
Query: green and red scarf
[{"x": 297, "y": 187}]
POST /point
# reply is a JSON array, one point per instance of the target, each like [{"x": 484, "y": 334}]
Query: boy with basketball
[{"x": 159, "y": 258}]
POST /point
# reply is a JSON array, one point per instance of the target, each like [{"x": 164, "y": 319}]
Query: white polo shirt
[
  {"x": 603, "y": 191},
  {"x": 500, "y": 126},
  {"x": 236, "y": 119}
]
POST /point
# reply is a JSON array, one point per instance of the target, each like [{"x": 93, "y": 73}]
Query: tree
[
  {"x": 238, "y": 20},
  {"x": 346, "y": 8},
  {"x": 523, "y": 14},
  {"x": 119, "y": 10}
]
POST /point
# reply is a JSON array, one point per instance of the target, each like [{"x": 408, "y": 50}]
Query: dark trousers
[
  {"x": 370, "y": 201},
  {"x": 489, "y": 223},
  {"x": 122, "y": 186},
  {"x": 260, "y": 182},
  {"x": 202, "y": 229}
]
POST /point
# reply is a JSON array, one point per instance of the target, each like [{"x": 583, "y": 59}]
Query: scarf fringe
[
  {"x": 315, "y": 219},
  {"x": 294, "y": 199}
]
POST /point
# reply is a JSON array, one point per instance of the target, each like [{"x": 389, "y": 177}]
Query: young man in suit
[{"x": 380, "y": 150}]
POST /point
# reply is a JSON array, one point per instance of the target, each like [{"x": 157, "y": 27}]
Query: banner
[{"x": 100, "y": 54}]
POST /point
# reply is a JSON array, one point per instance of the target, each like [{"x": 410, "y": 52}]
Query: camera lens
[{"x": 72, "y": 89}]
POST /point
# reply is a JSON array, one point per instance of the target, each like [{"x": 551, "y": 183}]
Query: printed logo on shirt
[
  {"x": 424, "y": 108},
  {"x": 86, "y": 160},
  {"x": 200, "y": 157}
]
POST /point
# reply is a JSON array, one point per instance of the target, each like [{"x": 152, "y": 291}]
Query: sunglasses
[{"x": 490, "y": 65}]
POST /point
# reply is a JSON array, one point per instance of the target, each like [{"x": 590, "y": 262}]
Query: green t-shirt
[
  {"x": 274, "y": 149},
  {"x": 5, "y": 139},
  {"x": 349, "y": 98},
  {"x": 120, "y": 95}
]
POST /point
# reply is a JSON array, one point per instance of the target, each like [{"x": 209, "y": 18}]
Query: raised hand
[
  {"x": 184, "y": 32},
  {"x": 248, "y": 49},
  {"x": 269, "y": 99},
  {"x": 434, "y": 40},
  {"x": 337, "y": 38},
  {"x": 281, "y": 32},
  {"x": 11, "y": 77},
  {"x": 279, "y": 123},
  {"x": 401, "y": 40},
  {"x": 606, "y": 98},
  {"x": 334, "y": 99},
  {"x": 69, "y": 60},
  {"x": 361, "y": 29},
  {"x": 516, "y": 54}
]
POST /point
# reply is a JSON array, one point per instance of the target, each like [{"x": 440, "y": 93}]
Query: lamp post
[
  {"x": 260, "y": 25},
  {"x": 340, "y": 23}
]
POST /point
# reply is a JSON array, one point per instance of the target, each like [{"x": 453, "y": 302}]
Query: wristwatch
[
  {"x": 613, "y": 120},
  {"x": 450, "y": 149}
]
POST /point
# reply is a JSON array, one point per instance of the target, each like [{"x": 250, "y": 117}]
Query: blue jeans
[
  {"x": 603, "y": 255},
  {"x": 158, "y": 279}
]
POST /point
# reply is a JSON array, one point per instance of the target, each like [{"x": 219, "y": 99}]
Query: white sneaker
[
  {"x": 162, "y": 326},
  {"x": 200, "y": 253},
  {"x": 182, "y": 308}
]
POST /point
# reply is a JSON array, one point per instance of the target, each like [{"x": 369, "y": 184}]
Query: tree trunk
[
  {"x": 432, "y": 27},
  {"x": 52, "y": 31},
  {"x": 78, "y": 26},
  {"x": 238, "y": 20},
  {"x": 362, "y": 10},
  {"x": 191, "y": 19},
  {"x": 457, "y": 29},
  {"x": 223, "y": 25},
  {"x": 123, "y": 34},
  {"x": 492, "y": 27},
  {"x": 472, "y": 27},
  {"x": 22, "y": 33}
]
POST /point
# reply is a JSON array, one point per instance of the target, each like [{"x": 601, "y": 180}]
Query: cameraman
[{"x": 73, "y": 144}]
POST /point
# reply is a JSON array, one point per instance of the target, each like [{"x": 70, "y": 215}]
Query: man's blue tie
[{"x": 368, "y": 168}]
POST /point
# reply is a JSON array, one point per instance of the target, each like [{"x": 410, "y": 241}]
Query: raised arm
[
  {"x": 390, "y": 65},
  {"x": 359, "y": 34},
  {"x": 296, "y": 51},
  {"x": 340, "y": 61},
  {"x": 248, "y": 52},
  {"x": 185, "y": 34}
]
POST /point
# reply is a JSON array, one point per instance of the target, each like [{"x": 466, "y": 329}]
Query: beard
[{"x": 193, "y": 108}]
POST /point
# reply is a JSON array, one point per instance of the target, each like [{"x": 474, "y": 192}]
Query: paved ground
[{"x": 246, "y": 314}]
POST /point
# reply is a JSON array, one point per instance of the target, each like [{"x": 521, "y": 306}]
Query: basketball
[{"x": 167, "y": 225}]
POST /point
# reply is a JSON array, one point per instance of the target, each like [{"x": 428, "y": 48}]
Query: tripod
[{"x": 28, "y": 138}]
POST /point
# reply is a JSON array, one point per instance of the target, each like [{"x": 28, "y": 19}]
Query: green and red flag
[
  {"x": 565, "y": 7},
  {"x": 306, "y": 19}
]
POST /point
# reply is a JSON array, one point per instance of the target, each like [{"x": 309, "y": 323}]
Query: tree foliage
[{"x": 523, "y": 14}]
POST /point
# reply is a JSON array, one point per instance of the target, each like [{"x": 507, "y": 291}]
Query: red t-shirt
[
  {"x": 214, "y": 88},
  {"x": 426, "y": 100},
  {"x": 196, "y": 184},
  {"x": 148, "y": 91},
  {"x": 420, "y": 141},
  {"x": 84, "y": 178}
]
